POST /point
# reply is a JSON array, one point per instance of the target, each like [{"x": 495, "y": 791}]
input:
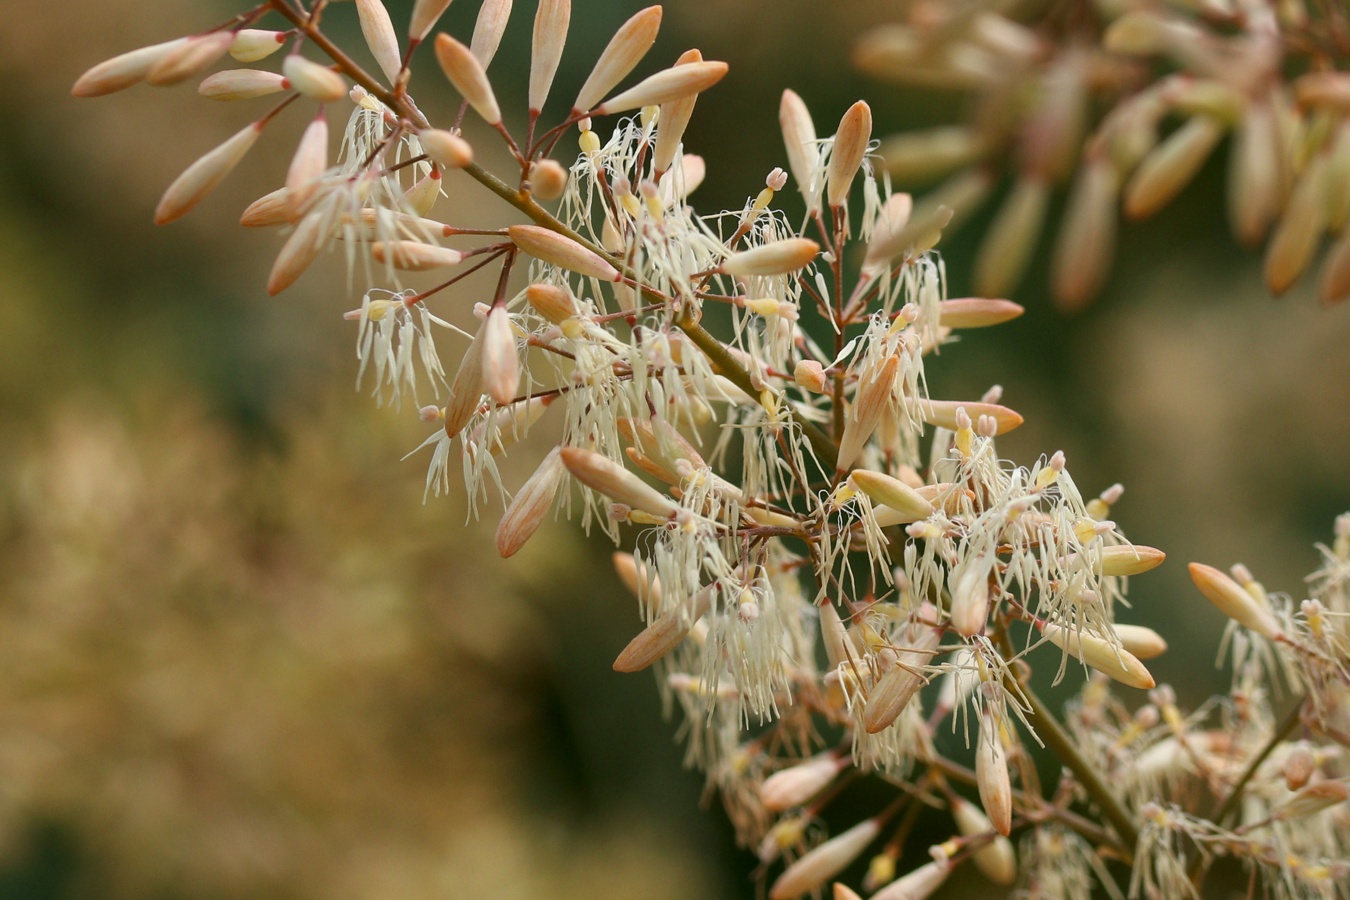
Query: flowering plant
[{"x": 828, "y": 540}]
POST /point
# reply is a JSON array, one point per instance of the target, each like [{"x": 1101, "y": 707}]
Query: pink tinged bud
[
  {"x": 891, "y": 492},
  {"x": 1125, "y": 560},
  {"x": 269, "y": 209},
  {"x": 1234, "y": 602},
  {"x": 799, "y": 139},
  {"x": 794, "y": 786},
  {"x": 637, "y": 578},
  {"x": 424, "y": 16},
  {"x": 468, "y": 77},
  {"x": 445, "y": 149},
  {"x": 943, "y": 413},
  {"x": 467, "y": 389},
  {"x": 501, "y": 365},
  {"x": 777, "y": 258},
  {"x": 422, "y": 196},
  {"x": 123, "y": 71},
  {"x": 674, "y": 119},
  {"x": 996, "y": 859},
  {"x": 1007, "y": 246},
  {"x": 674, "y": 83},
  {"x": 1311, "y": 800},
  {"x": 991, "y": 775},
  {"x": 189, "y": 58},
  {"x": 897, "y": 685},
  {"x": 202, "y": 177},
  {"x": 414, "y": 256},
  {"x": 253, "y": 44},
  {"x": 864, "y": 415},
  {"x": 318, "y": 82},
  {"x": 1118, "y": 663},
  {"x": 297, "y": 253},
  {"x": 1171, "y": 165},
  {"x": 970, "y": 594},
  {"x": 530, "y": 505},
  {"x": 919, "y": 884},
  {"x": 308, "y": 164},
  {"x": 1295, "y": 240},
  {"x": 834, "y": 635},
  {"x": 665, "y": 632},
  {"x": 1087, "y": 236},
  {"x": 1299, "y": 766},
  {"x": 551, "y": 247},
  {"x": 1143, "y": 642},
  {"x": 824, "y": 861},
  {"x": 378, "y": 30},
  {"x": 550, "y": 34},
  {"x": 1333, "y": 283},
  {"x": 553, "y": 303},
  {"x": 850, "y": 146},
  {"x": 810, "y": 375},
  {"x": 548, "y": 179},
  {"x": 976, "y": 312},
  {"x": 624, "y": 51},
  {"x": 241, "y": 84},
  {"x": 918, "y": 157},
  {"x": 614, "y": 481},
  {"x": 488, "y": 30}
]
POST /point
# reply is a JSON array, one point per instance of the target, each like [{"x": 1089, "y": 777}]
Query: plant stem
[{"x": 1283, "y": 731}]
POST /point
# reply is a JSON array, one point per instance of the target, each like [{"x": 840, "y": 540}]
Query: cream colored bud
[
  {"x": 799, "y": 139},
  {"x": 297, "y": 253},
  {"x": 691, "y": 170},
  {"x": 318, "y": 82},
  {"x": 777, "y": 258},
  {"x": 810, "y": 375},
  {"x": 424, "y": 17},
  {"x": 501, "y": 364},
  {"x": 659, "y": 439},
  {"x": 123, "y": 71},
  {"x": 1171, "y": 165},
  {"x": 269, "y": 209},
  {"x": 1128, "y": 559},
  {"x": 919, "y": 884},
  {"x": 891, "y": 492},
  {"x": 1311, "y": 800},
  {"x": 551, "y": 247},
  {"x": 1254, "y": 182},
  {"x": 1087, "y": 236},
  {"x": 863, "y": 417},
  {"x": 307, "y": 165},
  {"x": 1053, "y": 133},
  {"x": 1299, "y": 766},
  {"x": 241, "y": 84},
  {"x": 468, "y": 77},
  {"x": 795, "y": 785},
  {"x": 996, "y": 859},
  {"x": 189, "y": 58},
  {"x": 637, "y": 577},
  {"x": 846, "y": 155},
  {"x": 976, "y": 312},
  {"x": 422, "y": 195},
  {"x": 970, "y": 594},
  {"x": 624, "y": 51},
  {"x": 550, "y": 34},
  {"x": 890, "y": 224},
  {"x": 673, "y": 120},
  {"x": 1295, "y": 240},
  {"x": 824, "y": 861},
  {"x": 1116, "y": 662},
  {"x": 548, "y": 179},
  {"x": 615, "y": 482},
  {"x": 1233, "y": 601},
  {"x": 530, "y": 505},
  {"x": 553, "y": 303},
  {"x": 1143, "y": 642},
  {"x": 202, "y": 177},
  {"x": 919, "y": 157},
  {"x": 253, "y": 44},
  {"x": 671, "y": 84},
  {"x": 445, "y": 148},
  {"x": 991, "y": 775},
  {"x": 943, "y": 413},
  {"x": 1011, "y": 238},
  {"x": 664, "y": 633},
  {"x": 378, "y": 30},
  {"x": 488, "y": 30},
  {"x": 897, "y": 685},
  {"x": 466, "y": 391},
  {"x": 1208, "y": 96}
]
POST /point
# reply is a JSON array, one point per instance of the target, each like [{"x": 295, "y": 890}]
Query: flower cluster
[{"x": 816, "y": 539}]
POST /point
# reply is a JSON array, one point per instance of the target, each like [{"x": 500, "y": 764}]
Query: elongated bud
[
  {"x": 380, "y": 37},
  {"x": 795, "y": 785},
  {"x": 297, "y": 253},
  {"x": 530, "y": 505},
  {"x": 1333, "y": 283},
  {"x": 1311, "y": 800},
  {"x": 891, "y": 492},
  {"x": 445, "y": 148},
  {"x": 468, "y": 77},
  {"x": 1087, "y": 236},
  {"x": 253, "y": 44},
  {"x": 918, "y": 157},
  {"x": 1130, "y": 559},
  {"x": 1143, "y": 642},
  {"x": 467, "y": 389},
  {"x": 823, "y": 862},
  {"x": 636, "y": 576},
  {"x": 969, "y": 588},
  {"x": 890, "y": 225},
  {"x": 943, "y": 413},
  {"x": 1012, "y": 237},
  {"x": 976, "y": 312},
  {"x": 1327, "y": 88},
  {"x": 1054, "y": 131},
  {"x": 308, "y": 164},
  {"x": 551, "y": 247},
  {"x": 799, "y": 139},
  {"x": 850, "y": 146},
  {"x": 919, "y": 884},
  {"x": 996, "y": 859},
  {"x": 501, "y": 366},
  {"x": 318, "y": 82},
  {"x": 991, "y": 775},
  {"x": 425, "y": 14},
  {"x": 422, "y": 195},
  {"x": 553, "y": 303},
  {"x": 1254, "y": 175},
  {"x": 1170, "y": 166},
  {"x": 202, "y": 177},
  {"x": 615, "y": 482},
  {"x": 674, "y": 83},
  {"x": 415, "y": 256},
  {"x": 241, "y": 84},
  {"x": 864, "y": 415},
  {"x": 123, "y": 71},
  {"x": 1116, "y": 662},
  {"x": 269, "y": 209},
  {"x": 777, "y": 258},
  {"x": 624, "y": 51},
  {"x": 897, "y": 685},
  {"x": 665, "y": 632},
  {"x": 488, "y": 30},
  {"x": 189, "y": 58},
  {"x": 1295, "y": 240},
  {"x": 548, "y": 179},
  {"x": 1233, "y": 601},
  {"x": 674, "y": 119},
  {"x": 550, "y": 34}
]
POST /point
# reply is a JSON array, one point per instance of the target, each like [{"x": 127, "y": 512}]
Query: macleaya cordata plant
[{"x": 833, "y": 568}]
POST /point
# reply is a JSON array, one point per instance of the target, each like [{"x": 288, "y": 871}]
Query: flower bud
[
  {"x": 919, "y": 884},
  {"x": 943, "y": 413},
  {"x": 1116, "y": 662},
  {"x": 996, "y": 859},
  {"x": 488, "y": 30},
  {"x": 777, "y": 258},
  {"x": 976, "y": 312},
  {"x": 202, "y": 177},
  {"x": 531, "y": 503},
  {"x": 624, "y": 51},
  {"x": 1130, "y": 559},
  {"x": 188, "y": 58},
  {"x": 241, "y": 84},
  {"x": 501, "y": 365},
  {"x": 665, "y": 86},
  {"x": 1299, "y": 766},
  {"x": 1333, "y": 283},
  {"x": 1007, "y": 246},
  {"x": 615, "y": 482},
  {"x": 1087, "y": 236},
  {"x": 1254, "y": 175},
  {"x": 307, "y": 165},
  {"x": 298, "y": 252},
  {"x": 991, "y": 774},
  {"x": 269, "y": 209},
  {"x": 797, "y": 784},
  {"x": 897, "y": 685},
  {"x": 551, "y": 247},
  {"x": 550, "y": 33},
  {"x": 378, "y": 31},
  {"x": 918, "y": 157},
  {"x": 424, "y": 16},
  {"x": 253, "y": 44},
  {"x": 672, "y": 122},
  {"x": 313, "y": 80},
  {"x": 1311, "y": 800},
  {"x": 548, "y": 179},
  {"x": 892, "y": 493},
  {"x": 664, "y": 633},
  {"x": 1295, "y": 240},
  {"x": 1233, "y": 601},
  {"x": 1144, "y": 643},
  {"x": 846, "y": 156},
  {"x": 863, "y": 417},
  {"x": 445, "y": 148},
  {"x": 467, "y": 389},
  {"x": 969, "y": 589},
  {"x": 799, "y": 138},
  {"x": 810, "y": 375},
  {"x": 421, "y": 196},
  {"x": 1171, "y": 165},
  {"x": 123, "y": 71},
  {"x": 468, "y": 77},
  {"x": 823, "y": 862}
]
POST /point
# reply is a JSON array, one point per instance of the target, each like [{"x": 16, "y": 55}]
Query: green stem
[{"x": 1283, "y": 731}]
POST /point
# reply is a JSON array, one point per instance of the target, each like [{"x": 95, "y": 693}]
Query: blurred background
[{"x": 239, "y": 657}]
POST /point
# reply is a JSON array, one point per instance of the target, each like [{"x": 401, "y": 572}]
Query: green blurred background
[{"x": 240, "y": 658}]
